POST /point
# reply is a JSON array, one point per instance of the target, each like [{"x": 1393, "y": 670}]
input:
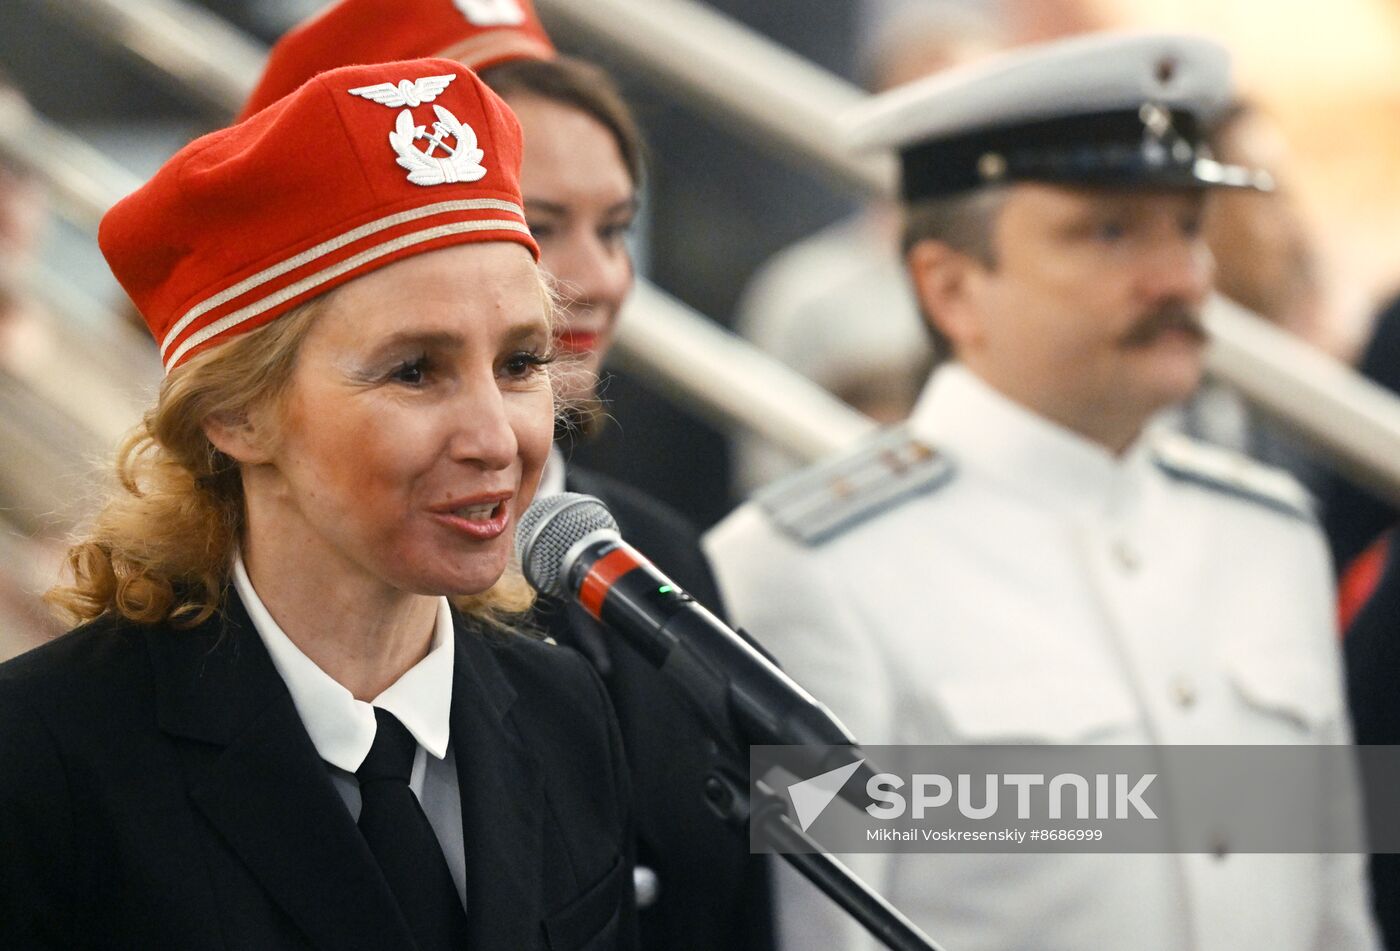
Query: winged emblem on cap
[
  {"x": 405, "y": 93},
  {"x": 458, "y": 162},
  {"x": 492, "y": 12}
]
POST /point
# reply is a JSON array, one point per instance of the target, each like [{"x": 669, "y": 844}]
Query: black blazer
[
  {"x": 158, "y": 790},
  {"x": 712, "y": 892}
]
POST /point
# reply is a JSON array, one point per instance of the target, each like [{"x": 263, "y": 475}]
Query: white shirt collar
[
  {"x": 978, "y": 426},
  {"x": 341, "y": 727},
  {"x": 552, "y": 479}
]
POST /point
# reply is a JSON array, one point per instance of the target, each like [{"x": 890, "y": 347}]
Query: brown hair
[
  {"x": 965, "y": 222},
  {"x": 581, "y": 85},
  {"x": 588, "y": 88}
]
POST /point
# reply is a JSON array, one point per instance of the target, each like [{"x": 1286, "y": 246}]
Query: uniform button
[
  {"x": 1126, "y": 556},
  {"x": 647, "y": 886},
  {"x": 1184, "y": 692}
]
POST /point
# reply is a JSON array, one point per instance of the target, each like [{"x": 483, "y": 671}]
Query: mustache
[{"x": 1165, "y": 319}]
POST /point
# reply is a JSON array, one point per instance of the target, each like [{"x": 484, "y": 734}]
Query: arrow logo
[{"x": 811, "y": 796}]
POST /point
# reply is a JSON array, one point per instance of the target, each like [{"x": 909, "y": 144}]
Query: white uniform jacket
[{"x": 985, "y": 576}]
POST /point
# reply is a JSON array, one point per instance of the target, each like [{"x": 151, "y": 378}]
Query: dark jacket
[
  {"x": 1372, "y": 649},
  {"x": 158, "y": 790},
  {"x": 1354, "y": 516},
  {"x": 711, "y": 893}
]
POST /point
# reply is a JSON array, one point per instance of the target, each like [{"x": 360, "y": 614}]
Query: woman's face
[
  {"x": 580, "y": 201},
  {"x": 415, "y": 426}
]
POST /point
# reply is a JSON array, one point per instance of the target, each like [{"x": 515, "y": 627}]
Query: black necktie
[{"x": 401, "y": 839}]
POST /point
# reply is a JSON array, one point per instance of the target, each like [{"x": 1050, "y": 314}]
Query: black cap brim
[{"x": 1145, "y": 148}]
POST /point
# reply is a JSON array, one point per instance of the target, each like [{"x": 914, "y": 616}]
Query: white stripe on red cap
[
  {"x": 315, "y": 280},
  {"x": 319, "y": 251}
]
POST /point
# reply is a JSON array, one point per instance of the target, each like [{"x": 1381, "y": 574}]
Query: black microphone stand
[
  {"x": 734, "y": 705},
  {"x": 727, "y": 794},
  {"x": 739, "y": 694}
]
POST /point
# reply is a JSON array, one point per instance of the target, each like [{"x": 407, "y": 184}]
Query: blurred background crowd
[{"x": 742, "y": 232}]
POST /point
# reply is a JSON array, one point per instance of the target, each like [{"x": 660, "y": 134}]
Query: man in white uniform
[{"x": 1027, "y": 559}]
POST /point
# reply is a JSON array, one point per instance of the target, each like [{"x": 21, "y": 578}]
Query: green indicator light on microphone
[{"x": 666, "y": 589}]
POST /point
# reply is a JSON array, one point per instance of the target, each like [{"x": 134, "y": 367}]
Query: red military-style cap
[
  {"x": 476, "y": 33},
  {"x": 358, "y": 168}
]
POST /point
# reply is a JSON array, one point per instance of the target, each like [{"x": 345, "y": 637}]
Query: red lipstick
[{"x": 578, "y": 341}]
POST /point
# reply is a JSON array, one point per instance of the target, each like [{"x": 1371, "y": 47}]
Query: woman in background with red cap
[
  {"x": 697, "y": 886},
  {"x": 273, "y": 731}
]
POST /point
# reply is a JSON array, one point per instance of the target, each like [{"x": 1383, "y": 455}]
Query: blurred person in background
[
  {"x": 23, "y": 204},
  {"x": 1358, "y": 521},
  {"x": 272, "y": 729},
  {"x": 1029, "y": 560},
  {"x": 1372, "y": 647},
  {"x": 697, "y": 886},
  {"x": 837, "y": 307},
  {"x": 29, "y": 558},
  {"x": 1265, "y": 264},
  {"x": 1361, "y": 529},
  {"x": 1265, "y": 258}
]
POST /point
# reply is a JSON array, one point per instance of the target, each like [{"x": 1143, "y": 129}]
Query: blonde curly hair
[{"x": 161, "y": 547}]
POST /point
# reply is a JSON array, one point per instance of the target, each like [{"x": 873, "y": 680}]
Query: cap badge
[
  {"x": 991, "y": 166},
  {"x": 492, "y": 12},
  {"x": 1155, "y": 119},
  {"x": 1161, "y": 142},
  {"x": 406, "y": 93},
  {"x": 458, "y": 163},
  {"x": 460, "y": 159}
]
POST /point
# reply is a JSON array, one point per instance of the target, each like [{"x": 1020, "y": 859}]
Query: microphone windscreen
[{"x": 551, "y": 526}]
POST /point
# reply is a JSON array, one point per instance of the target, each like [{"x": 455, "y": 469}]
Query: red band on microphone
[{"x": 599, "y": 580}]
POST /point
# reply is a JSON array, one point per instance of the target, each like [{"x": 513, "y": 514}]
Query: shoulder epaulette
[
  {"x": 1232, "y": 473},
  {"x": 831, "y": 497}
]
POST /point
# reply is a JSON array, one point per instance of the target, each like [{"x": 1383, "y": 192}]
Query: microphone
[{"x": 569, "y": 546}]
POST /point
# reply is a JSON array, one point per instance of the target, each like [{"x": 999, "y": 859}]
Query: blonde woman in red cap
[
  {"x": 697, "y": 886},
  {"x": 271, "y": 730}
]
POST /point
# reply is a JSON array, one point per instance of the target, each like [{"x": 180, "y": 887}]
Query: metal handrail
[
  {"x": 215, "y": 62},
  {"x": 785, "y": 408},
  {"x": 1340, "y": 409},
  {"x": 82, "y": 181},
  {"x": 765, "y": 396},
  {"x": 753, "y": 83},
  {"x": 83, "y": 184},
  {"x": 737, "y": 376},
  {"x": 700, "y": 55},
  {"x": 756, "y": 85}
]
